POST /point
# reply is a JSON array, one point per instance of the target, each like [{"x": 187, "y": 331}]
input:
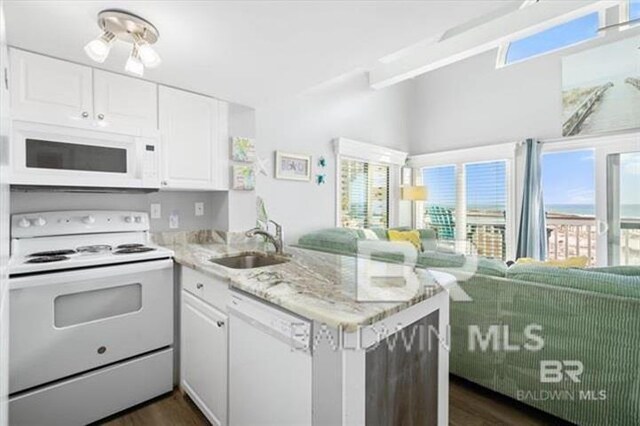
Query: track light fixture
[{"x": 130, "y": 28}]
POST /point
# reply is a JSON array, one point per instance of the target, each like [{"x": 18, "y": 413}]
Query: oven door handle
[{"x": 87, "y": 274}]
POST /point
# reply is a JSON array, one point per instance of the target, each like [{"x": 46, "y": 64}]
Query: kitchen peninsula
[{"x": 359, "y": 362}]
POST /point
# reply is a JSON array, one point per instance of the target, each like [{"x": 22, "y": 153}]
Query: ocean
[{"x": 627, "y": 210}]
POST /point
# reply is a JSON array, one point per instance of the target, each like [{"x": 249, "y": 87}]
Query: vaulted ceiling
[{"x": 248, "y": 52}]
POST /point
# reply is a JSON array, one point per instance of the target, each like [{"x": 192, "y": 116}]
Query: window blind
[
  {"x": 364, "y": 191},
  {"x": 486, "y": 197},
  {"x": 440, "y": 206}
]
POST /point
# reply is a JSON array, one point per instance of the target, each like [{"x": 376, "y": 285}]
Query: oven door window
[
  {"x": 86, "y": 306},
  {"x": 42, "y": 154}
]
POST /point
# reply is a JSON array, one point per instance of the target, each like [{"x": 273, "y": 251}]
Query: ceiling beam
[{"x": 515, "y": 25}]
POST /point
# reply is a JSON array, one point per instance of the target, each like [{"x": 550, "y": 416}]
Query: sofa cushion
[
  {"x": 629, "y": 270},
  {"x": 491, "y": 267},
  {"x": 570, "y": 262},
  {"x": 441, "y": 259},
  {"x": 332, "y": 240},
  {"x": 580, "y": 279},
  {"x": 438, "y": 259},
  {"x": 406, "y": 236}
]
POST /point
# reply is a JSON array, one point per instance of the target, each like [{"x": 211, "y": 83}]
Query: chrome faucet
[{"x": 276, "y": 240}]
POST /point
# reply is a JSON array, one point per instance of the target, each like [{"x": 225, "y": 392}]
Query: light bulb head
[
  {"x": 148, "y": 55},
  {"x": 98, "y": 49},
  {"x": 134, "y": 64}
]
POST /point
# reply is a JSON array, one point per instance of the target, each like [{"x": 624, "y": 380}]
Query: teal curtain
[{"x": 532, "y": 233}]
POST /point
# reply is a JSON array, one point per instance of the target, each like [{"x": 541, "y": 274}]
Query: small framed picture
[
  {"x": 243, "y": 150},
  {"x": 293, "y": 166},
  {"x": 244, "y": 178}
]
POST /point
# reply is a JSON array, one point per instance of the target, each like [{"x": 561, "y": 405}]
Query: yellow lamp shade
[{"x": 414, "y": 193}]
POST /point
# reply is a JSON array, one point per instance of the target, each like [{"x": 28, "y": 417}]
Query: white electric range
[{"x": 91, "y": 316}]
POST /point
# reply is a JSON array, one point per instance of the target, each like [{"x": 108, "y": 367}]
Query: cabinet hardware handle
[
  {"x": 199, "y": 286},
  {"x": 164, "y": 183},
  {"x": 102, "y": 349},
  {"x": 100, "y": 116},
  {"x": 85, "y": 114},
  {"x": 219, "y": 323}
]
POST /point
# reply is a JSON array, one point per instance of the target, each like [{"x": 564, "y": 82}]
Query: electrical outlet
[
  {"x": 174, "y": 220},
  {"x": 199, "y": 208},
  {"x": 156, "y": 211}
]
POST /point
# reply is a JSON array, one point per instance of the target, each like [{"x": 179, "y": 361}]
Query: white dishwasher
[{"x": 270, "y": 366}]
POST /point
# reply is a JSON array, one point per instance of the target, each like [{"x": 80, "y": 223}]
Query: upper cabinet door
[
  {"x": 124, "y": 104},
  {"x": 222, "y": 144},
  {"x": 50, "y": 91},
  {"x": 189, "y": 132}
]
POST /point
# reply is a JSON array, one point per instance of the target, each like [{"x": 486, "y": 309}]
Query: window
[
  {"x": 568, "y": 185},
  {"x": 364, "y": 189},
  {"x": 486, "y": 192},
  {"x": 551, "y": 39},
  {"x": 634, "y": 9},
  {"x": 440, "y": 207},
  {"x": 475, "y": 223}
]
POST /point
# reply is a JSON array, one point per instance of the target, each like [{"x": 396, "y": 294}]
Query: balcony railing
[
  {"x": 567, "y": 236},
  {"x": 571, "y": 235}
]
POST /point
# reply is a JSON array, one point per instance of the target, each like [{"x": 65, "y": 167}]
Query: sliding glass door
[
  {"x": 623, "y": 208},
  {"x": 568, "y": 185},
  {"x": 592, "y": 199}
]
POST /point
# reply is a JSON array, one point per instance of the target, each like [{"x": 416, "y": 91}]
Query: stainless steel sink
[{"x": 249, "y": 261}]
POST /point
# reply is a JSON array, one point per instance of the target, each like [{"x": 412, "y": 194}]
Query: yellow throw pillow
[
  {"x": 411, "y": 236},
  {"x": 571, "y": 262}
]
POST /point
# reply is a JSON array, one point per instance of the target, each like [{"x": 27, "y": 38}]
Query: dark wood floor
[{"x": 469, "y": 405}]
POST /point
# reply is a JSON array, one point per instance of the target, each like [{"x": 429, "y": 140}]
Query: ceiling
[{"x": 249, "y": 52}]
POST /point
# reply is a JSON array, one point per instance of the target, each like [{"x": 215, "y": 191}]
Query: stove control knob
[
  {"x": 40, "y": 221},
  {"x": 138, "y": 219},
  {"x": 89, "y": 219},
  {"x": 128, "y": 219},
  {"x": 24, "y": 223}
]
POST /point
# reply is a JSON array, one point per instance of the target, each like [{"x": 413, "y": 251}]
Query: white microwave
[{"x": 49, "y": 155}]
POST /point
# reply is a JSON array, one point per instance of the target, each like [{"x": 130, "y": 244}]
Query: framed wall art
[{"x": 293, "y": 166}]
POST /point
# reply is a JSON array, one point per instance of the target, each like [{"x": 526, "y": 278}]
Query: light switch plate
[
  {"x": 199, "y": 208},
  {"x": 174, "y": 220},
  {"x": 156, "y": 211}
]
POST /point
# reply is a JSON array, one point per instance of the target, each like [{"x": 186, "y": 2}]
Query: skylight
[
  {"x": 554, "y": 38},
  {"x": 634, "y": 10}
]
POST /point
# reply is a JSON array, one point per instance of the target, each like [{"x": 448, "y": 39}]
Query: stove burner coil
[
  {"x": 133, "y": 250},
  {"x": 52, "y": 253},
  {"x": 47, "y": 259},
  {"x": 129, "y": 246},
  {"x": 94, "y": 249}
]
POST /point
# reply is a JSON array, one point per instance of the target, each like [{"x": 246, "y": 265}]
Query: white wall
[
  {"x": 307, "y": 124},
  {"x": 181, "y": 202},
  {"x": 471, "y": 103}
]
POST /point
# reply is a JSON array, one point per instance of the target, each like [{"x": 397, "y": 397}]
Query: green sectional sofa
[{"x": 581, "y": 327}]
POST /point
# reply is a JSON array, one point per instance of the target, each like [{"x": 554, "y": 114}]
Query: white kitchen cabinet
[
  {"x": 124, "y": 104},
  {"x": 194, "y": 141},
  {"x": 50, "y": 91},
  {"x": 203, "y": 357}
]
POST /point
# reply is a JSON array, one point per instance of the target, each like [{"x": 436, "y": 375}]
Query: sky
[
  {"x": 554, "y": 38},
  {"x": 567, "y": 178}
]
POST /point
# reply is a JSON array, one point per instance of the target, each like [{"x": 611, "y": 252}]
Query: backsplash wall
[{"x": 181, "y": 202}]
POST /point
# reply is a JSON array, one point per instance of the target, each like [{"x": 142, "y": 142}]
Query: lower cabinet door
[{"x": 203, "y": 357}]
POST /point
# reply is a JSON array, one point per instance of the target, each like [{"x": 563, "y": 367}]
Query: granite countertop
[{"x": 315, "y": 285}]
